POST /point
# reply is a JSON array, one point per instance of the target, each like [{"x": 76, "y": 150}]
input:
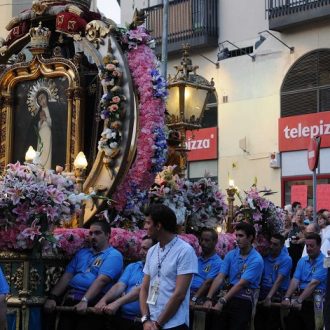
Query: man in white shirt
[{"x": 170, "y": 265}]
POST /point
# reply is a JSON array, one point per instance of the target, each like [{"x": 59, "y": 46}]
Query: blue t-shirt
[
  {"x": 281, "y": 265},
  {"x": 249, "y": 268},
  {"x": 86, "y": 266},
  {"x": 207, "y": 268},
  {"x": 4, "y": 288},
  {"x": 132, "y": 277},
  {"x": 308, "y": 270}
]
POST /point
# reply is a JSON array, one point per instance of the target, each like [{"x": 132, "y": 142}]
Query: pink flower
[
  {"x": 116, "y": 99},
  {"x": 56, "y": 195},
  {"x": 32, "y": 232},
  {"x": 113, "y": 107},
  {"x": 110, "y": 67}
]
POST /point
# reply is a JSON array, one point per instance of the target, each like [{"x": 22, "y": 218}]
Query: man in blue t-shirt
[
  {"x": 208, "y": 265},
  {"x": 274, "y": 283},
  {"x": 243, "y": 268},
  {"x": 4, "y": 290},
  {"x": 90, "y": 273},
  {"x": 124, "y": 295},
  {"x": 309, "y": 280}
]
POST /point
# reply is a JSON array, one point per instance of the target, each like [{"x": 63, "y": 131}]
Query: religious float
[{"x": 82, "y": 118}]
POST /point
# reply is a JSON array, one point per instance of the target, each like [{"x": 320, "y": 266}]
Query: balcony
[
  {"x": 285, "y": 14},
  {"x": 190, "y": 21}
]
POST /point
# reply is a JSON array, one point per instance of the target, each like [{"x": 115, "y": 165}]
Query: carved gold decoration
[
  {"x": 96, "y": 31},
  {"x": 17, "y": 278},
  {"x": 53, "y": 274},
  {"x": 35, "y": 279},
  {"x": 38, "y": 7}
]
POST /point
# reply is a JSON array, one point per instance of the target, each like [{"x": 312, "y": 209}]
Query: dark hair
[
  {"x": 148, "y": 237},
  {"x": 279, "y": 237},
  {"x": 213, "y": 232},
  {"x": 248, "y": 229},
  {"x": 41, "y": 91},
  {"x": 162, "y": 214},
  {"x": 102, "y": 223},
  {"x": 314, "y": 236},
  {"x": 295, "y": 204}
]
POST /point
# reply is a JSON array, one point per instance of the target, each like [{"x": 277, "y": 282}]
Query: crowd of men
[{"x": 283, "y": 289}]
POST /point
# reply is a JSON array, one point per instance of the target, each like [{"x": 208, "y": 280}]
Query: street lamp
[{"x": 188, "y": 93}]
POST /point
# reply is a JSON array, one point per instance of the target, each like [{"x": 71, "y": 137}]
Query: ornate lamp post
[
  {"x": 80, "y": 164},
  {"x": 186, "y": 102},
  {"x": 231, "y": 191}
]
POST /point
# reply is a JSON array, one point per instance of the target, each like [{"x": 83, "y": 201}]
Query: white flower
[{"x": 113, "y": 145}]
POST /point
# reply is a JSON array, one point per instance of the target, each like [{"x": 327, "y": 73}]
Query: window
[{"x": 306, "y": 87}]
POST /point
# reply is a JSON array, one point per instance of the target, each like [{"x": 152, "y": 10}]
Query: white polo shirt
[{"x": 180, "y": 259}]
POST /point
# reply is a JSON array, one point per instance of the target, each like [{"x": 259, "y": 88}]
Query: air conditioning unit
[{"x": 275, "y": 160}]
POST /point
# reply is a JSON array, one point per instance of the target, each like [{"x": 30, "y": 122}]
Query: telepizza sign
[
  {"x": 296, "y": 132},
  {"x": 202, "y": 143}
]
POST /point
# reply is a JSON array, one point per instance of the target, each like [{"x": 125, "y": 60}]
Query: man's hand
[
  {"x": 112, "y": 308},
  {"x": 296, "y": 305},
  {"x": 50, "y": 305},
  {"x": 218, "y": 307},
  {"x": 286, "y": 303},
  {"x": 99, "y": 307},
  {"x": 267, "y": 302},
  {"x": 81, "y": 307},
  {"x": 208, "y": 304},
  {"x": 192, "y": 304}
]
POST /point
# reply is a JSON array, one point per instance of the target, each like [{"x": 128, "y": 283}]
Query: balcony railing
[
  {"x": 284, "y": 14},
  {"x": 190, "y": 21}
]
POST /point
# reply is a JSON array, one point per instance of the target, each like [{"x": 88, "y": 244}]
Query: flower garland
[
  {"x": 112, "y": 106},
  {"x": 151, "y": 142}
]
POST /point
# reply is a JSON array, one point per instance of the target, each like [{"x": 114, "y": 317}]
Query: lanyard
[{"x": 160, "y": 260}]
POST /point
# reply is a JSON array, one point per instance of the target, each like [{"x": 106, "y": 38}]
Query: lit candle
[
  {"x": 30, "y": 154},
  {"x": 80, "y": 162},
  {"x": 231, "y": 183}
]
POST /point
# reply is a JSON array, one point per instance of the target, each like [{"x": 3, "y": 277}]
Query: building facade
[{"x": 273, "y": 69}]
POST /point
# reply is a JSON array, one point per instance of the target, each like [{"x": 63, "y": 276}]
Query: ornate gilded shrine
[
  {"x": 65, "y": 87},
  {"x": 59, "y": 48}
]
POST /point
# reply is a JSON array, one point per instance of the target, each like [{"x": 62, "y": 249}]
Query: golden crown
[{"x": 39, "y": 38}]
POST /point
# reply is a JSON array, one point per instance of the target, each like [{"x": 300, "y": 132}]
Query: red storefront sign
[
  {"x": 202, "y": 143},
  {"x": 295, "y": 132}
]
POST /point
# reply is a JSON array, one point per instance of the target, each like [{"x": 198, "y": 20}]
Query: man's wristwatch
[
  {"x": 194, "y": 299},
  {"x": 145, "y": 318},
  {"x": 84, "y": 299},
  {"x": 222, "y": 301},
  {"x": 286, "y": 299}
]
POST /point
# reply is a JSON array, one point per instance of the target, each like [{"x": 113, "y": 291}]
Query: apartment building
[{"x": 272, "y": 83}]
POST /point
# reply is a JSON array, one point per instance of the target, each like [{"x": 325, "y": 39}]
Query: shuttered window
[{"x": 306, "y": 87}]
